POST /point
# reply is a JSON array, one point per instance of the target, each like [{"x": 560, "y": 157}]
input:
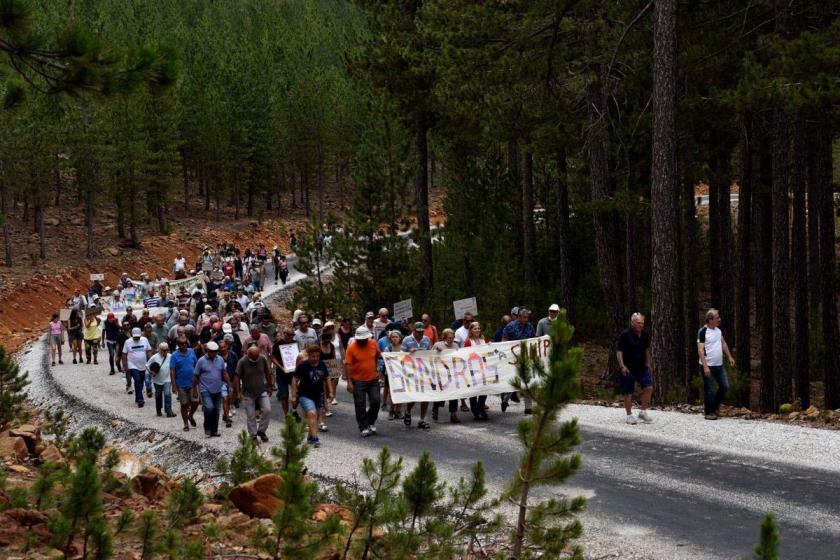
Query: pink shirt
[{"x": 55, "y": 328}]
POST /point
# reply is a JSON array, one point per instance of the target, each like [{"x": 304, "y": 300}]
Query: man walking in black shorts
[{"x": 633, "y": 355}]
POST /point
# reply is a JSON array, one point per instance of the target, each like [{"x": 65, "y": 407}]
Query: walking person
[
  {"x": 518, "y": 329},
  {"x": 544, "y": 325},
  {"x": 136, "y": 352},
  {"x": 253, "y": 385},
  {"x": 182, "y": 365},
  {"x": 210, "y": 373},
  {"x": 363, "y": 380},
  {"x": 162, "y": 378},
  {"x": 56, "y": 338},
  {"x": 283, "y": 271},
  {"x": 308, "y": 390},
  {"x": 711, "y": 346},
  {"x": 91, "y": 334},
  {"x": 416, "y": 341},
  {"x": 447, "y": 345},
  {"x": 390, "y": 343},
  {"x": 475, "y": 338},
  {"x": 633, "y": 354},
  {"x": 75, "y": 334}
]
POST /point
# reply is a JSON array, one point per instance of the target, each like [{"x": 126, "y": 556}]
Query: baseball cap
[
  {"x": 418, "y": 326},
  {"x": 212, "y": 346},
  {"x": 362, "y": 333},
  {"x": 514, "y": 311},
  {"x": 554, "y": 307},
  {"x": 135, "y": 332},
  {"x": 226, "y": 328},
  {"x": 370, "y": 314},
  {"x": 329, "y": 324},
  {"x": 316, "y": 321}
]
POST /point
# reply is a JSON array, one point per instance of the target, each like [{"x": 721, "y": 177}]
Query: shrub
[{"x": 786, "y": 408}]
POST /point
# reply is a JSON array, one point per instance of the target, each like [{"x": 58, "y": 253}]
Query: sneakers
[
  {"x": 334, "y": 402},
  {"x": 170, "y": 414},
  {"x": 128, "y": 389},
  {"x": 631, "y": 420},
  {"x": 365, "y": 433},
  {"x": 423, "y": 425},
  {"x": 392, "y": 415},
  {"x": 53, "y": 362},
  {"x": 372, "y": 430},
  {"x": 711, "y": 417},
  {"x": 322, "y": 427},
  {"x": 407, "y": 419},
  {"x": 328, "y": 414},
  {"x": 643, "y": 417},
  {"x": 149, "y": 394},
  {"x": 313, "y": 441},
  {"x": 192, "y": 422}
]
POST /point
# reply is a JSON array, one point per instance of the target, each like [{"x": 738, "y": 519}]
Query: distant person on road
[
  {"x": 75, "y": 334},
  {"x": 161, "y": 374},
  {"x": 446, "y": 345},
  {"x": 711, "y": 346},
  {"x": 254, "y": 384},
  {"x": 136, "y": 352},
  {"x": 92, "y": 336},
  {"x": 633, "y": 354},
  {"x": 518, "y": 329},
  {"x": 110, "y": 336},
  {"x": 209, "y": 376},
  {"x": 56, "y": 338},
  {"x": 545, "y": 324},
  {"x": 416, "y": 341},
  {"x": 179, "y": 267},
  {"x": 463, "y": 331},
  {"x": 308, "y": 390},
  {"x": 477, "y": 407}
]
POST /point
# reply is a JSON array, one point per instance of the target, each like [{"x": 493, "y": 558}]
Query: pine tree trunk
[
  {"x": 563, "y": 233},
  {"x": 828, "y": 282},
  {"x": 186, "y": 178},
  {"x": 528, "y": 223},
  {"x": 320, "y": 184},
  {"x": 742, "y": 302},
  {"x": 764, "y": 277},
  {"x": 603, "y": 221},
  {"x": 814, "y": 196},
  {"x": 89, "y": 223},
  {"x": 57, "y": 175},
  {"x": 206, "y": 182},
  {"x": 132, "y": 210},
  {"x": 421, "y": 191},
  {"x": 304, "y": 185},
  {"x": 781, "y": 260},
  {"x": 39, "y": 224},
  {"x": 667, "y": 334},
  {"x": 724, "y": 222},
  {"x": 7, "y": 233},
  {"x": 120, "y": 216},
  {"x": 689, "y": 261},
  {"x": 799, "y": 265}
]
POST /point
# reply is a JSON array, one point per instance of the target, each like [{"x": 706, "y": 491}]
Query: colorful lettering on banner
[{"x": 427, "y": 375}]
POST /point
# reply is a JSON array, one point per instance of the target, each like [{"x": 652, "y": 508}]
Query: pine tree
[
  {"x": 12, "y": 385},
  {"x": 768, "y": 544},
  {"x": 549, "y": 526}
]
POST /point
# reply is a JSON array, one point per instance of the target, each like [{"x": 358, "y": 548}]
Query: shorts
[
  {"x": 224, "y": 390},
  {"x": 185, "y": 395},
  {"x": 282, "y": 386},
  {"x": 308, "y": 404},
  {"x": 71, "y": 336},
  {"x": 627, "y": 383},
  {"x": 56, "y": 339}
]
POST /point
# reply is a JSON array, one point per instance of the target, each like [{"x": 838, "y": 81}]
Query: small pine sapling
[
  {"x": 550, "y": 526},
  {"x": 12, "y": 385},
  {"x": 124, "y": 521},
  {"x": 768, "y": 544},
  {"x": 182, "y": 505},
  {"x": 146, "y": 532},
  {"x": 246, "y": 462}
]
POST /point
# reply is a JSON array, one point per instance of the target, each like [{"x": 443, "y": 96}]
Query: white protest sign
[
  {"x": 207, "y": 266},
  {"x": 429, "y": 376},
  {"x": 94, "y": 277},
  {"x": 334, "y": 368},
  {"x": 289, "y": 354},
  {"x": 64, "y": 314},
  {"x": 463, "y": 306},
  {"x": 402, "y": 310}
]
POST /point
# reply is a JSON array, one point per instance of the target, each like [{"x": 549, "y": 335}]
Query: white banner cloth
[{"x": 428, "y": 375}]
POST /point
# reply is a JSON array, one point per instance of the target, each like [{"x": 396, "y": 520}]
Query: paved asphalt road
[{"x": 680, "y": 488}]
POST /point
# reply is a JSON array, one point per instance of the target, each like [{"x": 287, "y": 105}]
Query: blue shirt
[
  {"x": 410, "y": 343},
  {"x": 517, "y": 331},
  {"x": 183, "y": 365},
  {"x": 210, "y": 373}
]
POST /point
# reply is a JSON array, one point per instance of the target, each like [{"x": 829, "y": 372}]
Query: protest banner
[
  {"x": 94, "y": 277},
  {"x": 289, "y": 354},
  {"x": 429, "y": 376},
  {"x": 403, "y": 310},
  {"x": 462, "y": 306},
  {"x": 334, "y": 368}
]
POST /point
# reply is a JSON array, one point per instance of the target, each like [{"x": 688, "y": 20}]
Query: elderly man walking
[
  {"x": 210, "y": 372},
  {"x": 545, "y": 324},
  {"x": 254, "y": 383},
  {"x": 711, "y": 347},
  {"x": 633, "y": 354}
]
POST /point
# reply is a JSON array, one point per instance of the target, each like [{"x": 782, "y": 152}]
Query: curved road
[{"x": 679, "y": 488}]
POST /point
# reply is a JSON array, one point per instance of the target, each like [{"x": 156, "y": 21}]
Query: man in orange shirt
[
  {"x": 362, "y": 379},
  {"x": 429, "y": 329}
]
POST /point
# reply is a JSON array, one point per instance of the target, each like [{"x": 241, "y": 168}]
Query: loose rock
[{"x": 257, "y": 498}]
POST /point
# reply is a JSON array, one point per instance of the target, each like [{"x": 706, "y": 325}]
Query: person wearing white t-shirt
[
  {"x": 711, "y": 346},
  {"x": 135, "y": 353},
  {"x": 463, "y": 332}
]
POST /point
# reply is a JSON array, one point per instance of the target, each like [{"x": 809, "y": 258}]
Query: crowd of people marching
[{"x": 209, "y": 339}]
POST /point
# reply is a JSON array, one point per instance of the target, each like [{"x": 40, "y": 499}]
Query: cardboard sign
[
  {"x": 462, "y": 306},
  {"x": 64, "y": 314},
  {"x": 217, "y": 275},
  {"x": 334, "y": 367},
  {"x": 402, "y": 309},
  {"x": 94, "y": 277},
  {"x": 207, "y": 266},
  {"x": 289, "y": 354}
]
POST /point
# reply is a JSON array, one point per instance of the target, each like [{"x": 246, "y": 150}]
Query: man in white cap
[
  {"x": 209, "y": 375},
  {"x": 158, "y": 366},
  {"x": 380, "y": 323},
  {"x": 544, "y": 325},
  {"x": 363, "y": 379},
  {"x": 135, "y": 353}
]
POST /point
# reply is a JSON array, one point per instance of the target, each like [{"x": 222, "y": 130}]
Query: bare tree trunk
[
  {"x": 665, "y": 345},
  {"x": 528, "y": 222},
  {"x": 799, "y": 265},
  {"x": 781, "y": 260},
  {"x": 132, "y": 209},
  {"x": 764, "y": 277},
  {"x": 689, "y": 261},
  {"x": 563, "y": 235},
  {"x": 421, "y": 191},
  {"x": 603, "y": 221},
  {"x": 7, "y": 234},
  {"x": 120, "y": 216},
  {"x": 742, "y": 303},
  {"x": 304, "y": 185},
  {"x": 39, "y": 224},
  {"x": 57, "y": 173}
]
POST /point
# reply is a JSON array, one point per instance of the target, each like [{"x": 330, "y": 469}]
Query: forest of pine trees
[{"x": 566, "y": 140}]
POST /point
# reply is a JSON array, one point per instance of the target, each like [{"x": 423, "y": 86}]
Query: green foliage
[
  {"x": 124, "y": 521},
  {"x": 171, "y": 545},
  {"x": 786, "y": 408},
  {"x": 147, "y": 533},
  {"x": 56, "y": 424},
  {"x": 246, "y": 462},
  {"x": 182, "y": 505},
  {"x": 549, "y": 526},
  {"x": 768, "y": 544},
  {"x": 12, "y": 385},
  {"x": 42, "y": 488},
  {"x": 421, "y": 488}
]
